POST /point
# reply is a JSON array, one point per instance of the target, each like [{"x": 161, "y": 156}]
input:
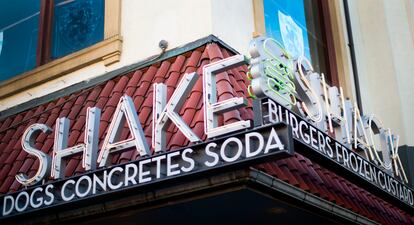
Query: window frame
[
  {"x": 107, "y": 51},
  {"x": 327, "y": 33}
]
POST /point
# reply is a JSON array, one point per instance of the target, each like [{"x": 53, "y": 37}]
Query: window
[
  {"x": 19, "y": 23},
  {"x": 76, "y": 25},
  {"x": 49, "y": 60},
  {"x": 35, "y": 32},
  {"x": 299, "y": 26}
]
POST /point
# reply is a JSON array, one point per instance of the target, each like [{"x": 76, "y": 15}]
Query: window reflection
[
  {"x": 19, "y": 24},
  {"x": 77, "y": 24},
  {"x": 297, "y": 25}
]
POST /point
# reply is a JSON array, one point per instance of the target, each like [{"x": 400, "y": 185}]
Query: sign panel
[
  {"x": 240, "y": 149},
  {"x": 326, "y": 147}
]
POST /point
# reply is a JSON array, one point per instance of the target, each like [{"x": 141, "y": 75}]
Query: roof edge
[
  {"x": 109, "y": 75},
  {"x": 312, "y": 200}
]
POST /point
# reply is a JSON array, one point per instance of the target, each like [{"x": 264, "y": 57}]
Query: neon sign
[
  {"x": 273, "y": 76},
  {"x": 271, "y": 72}
]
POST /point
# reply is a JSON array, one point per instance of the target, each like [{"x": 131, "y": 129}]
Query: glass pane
[
  {"x": 77, "y": 24},
  {"x": 297, "y": 25},
  {"x": 19, "y": 25}
]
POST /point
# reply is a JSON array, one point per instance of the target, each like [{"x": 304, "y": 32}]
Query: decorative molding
[
  {"x": 258, "y": 14},
  {"x": 108, "y": 50},
  {"x": 112, "y": 18}
]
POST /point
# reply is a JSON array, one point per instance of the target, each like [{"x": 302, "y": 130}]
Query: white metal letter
[
  {"x": 211, "y": 107},
  {"x": 310, "y": 98},
  {"x": 165, "y": 113},
  {"x": 124, "y": 111},
  {"x": 28, "y": 142},
  {"x": 89, "y": 148},
  {"x": 396, "y": 158}
]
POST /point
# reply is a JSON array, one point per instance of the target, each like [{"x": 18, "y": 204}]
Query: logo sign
[
  {"x": 271, "y": 71},
  {"x": 297, "y": 87},
  {"x": 253, "y": 146}
]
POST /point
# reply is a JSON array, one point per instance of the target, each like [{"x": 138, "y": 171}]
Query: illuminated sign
[
  {"x": 271, "y": 71},
  {"x": 294, "y": 89},
  {"x": 325, "y": 107}
]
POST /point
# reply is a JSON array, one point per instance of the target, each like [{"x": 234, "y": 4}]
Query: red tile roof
[{"x": 298, "y": 170}]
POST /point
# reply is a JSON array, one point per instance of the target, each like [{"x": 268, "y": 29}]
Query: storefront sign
[
  {"x": 327, "y": 147},
  {"x": 257, "y": 145},
  {"x": 292, "y": 85}
]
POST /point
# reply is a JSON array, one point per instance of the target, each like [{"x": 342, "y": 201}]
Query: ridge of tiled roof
[{"x": 137, "y": 83}]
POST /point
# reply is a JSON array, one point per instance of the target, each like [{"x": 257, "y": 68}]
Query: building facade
[{"x": 183, "y": 77}]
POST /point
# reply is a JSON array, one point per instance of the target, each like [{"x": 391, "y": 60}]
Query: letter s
[{"x": 28, "y": 142}]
